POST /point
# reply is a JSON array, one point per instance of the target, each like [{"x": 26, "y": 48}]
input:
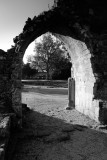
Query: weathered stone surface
[
  {"x": 5, "y": 127},
  {"x": 1, "y": 154},
  {"x": 4, "y": 135},
  {"x": 74, "y": 19}
]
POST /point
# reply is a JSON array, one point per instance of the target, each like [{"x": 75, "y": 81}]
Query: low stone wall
[
  {"x": 54, "y": 83},
  {"x": 8, "y": 124},
  {"x": 5, "y": 123}
]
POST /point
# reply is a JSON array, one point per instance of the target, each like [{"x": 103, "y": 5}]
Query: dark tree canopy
[
  {"x": 63, "y": 70},
  {"x": 27, "y": 71}
]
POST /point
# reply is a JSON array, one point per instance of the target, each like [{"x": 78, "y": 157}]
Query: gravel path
[{"x": 50, "y": 132}]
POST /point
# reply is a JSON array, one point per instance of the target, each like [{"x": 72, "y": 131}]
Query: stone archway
[
  {"x": 86, "y": 44},
  {"x": 83, "y": 76}
]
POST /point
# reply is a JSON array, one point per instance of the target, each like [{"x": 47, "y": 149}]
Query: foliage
[
  {"x": 27, "y": 71},
  {"x": 63, "y": 70},
  {"x": 50, "y": 55}
]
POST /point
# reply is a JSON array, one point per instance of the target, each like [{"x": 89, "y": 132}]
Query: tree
[
  {"x": 27, "y": 71},
  {"x": 63, "y": 72},
  {"x": 48, "y": 54}
]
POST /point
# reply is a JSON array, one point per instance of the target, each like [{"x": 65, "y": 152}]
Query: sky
[
  {"x": 30, "y": 49},
  {"x": 14, "y": 13}
]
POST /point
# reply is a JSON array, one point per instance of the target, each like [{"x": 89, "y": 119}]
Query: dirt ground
[{"x": 50, "y": 132}]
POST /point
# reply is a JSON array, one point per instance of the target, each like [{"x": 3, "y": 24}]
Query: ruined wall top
[{"x": 79, "y": 19}]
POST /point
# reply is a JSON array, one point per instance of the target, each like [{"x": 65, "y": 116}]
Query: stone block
[
  {"x": 5, "y": 127},
  {"x": 91, "y": 114},
  {"x": 4, "y": 135},
  {"x": 2, "y": 154},
  {"x": 18, "y": 84},
  {"x": 86, "y": 112},
  {"x": 96, "y": 116}
]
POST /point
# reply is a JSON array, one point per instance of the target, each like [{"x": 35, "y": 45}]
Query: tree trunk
[{"x": 47, "y": 75}]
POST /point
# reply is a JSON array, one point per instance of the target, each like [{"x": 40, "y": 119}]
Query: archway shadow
[{"x": 47, "y": 137}]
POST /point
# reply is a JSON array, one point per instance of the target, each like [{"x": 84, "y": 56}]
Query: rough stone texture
[
  {"x": 4, "y": 127},
  {"x": 4, "y": 135},
  {"x": 82, "y": 20},
  {"x": 1, "y": 154},
  {"x": 82, "y": 72}
]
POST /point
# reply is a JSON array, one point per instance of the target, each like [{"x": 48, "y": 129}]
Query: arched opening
[
  {"x": 85, "y": 44},
  {"x": 49, "y": 57},
  {"x": 82, "y": 73},
  {"x": 59, "y": 68}
]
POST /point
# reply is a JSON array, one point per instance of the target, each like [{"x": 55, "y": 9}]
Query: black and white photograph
[{"x": 53, "y": 80}]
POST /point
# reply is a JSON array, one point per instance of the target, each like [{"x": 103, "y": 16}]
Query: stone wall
[
  {"x": 82, "y": 72},
  {"x": 2, "y": 77},
  {"x": 82, "y": 27},
  {"x": 10, "y": 82},
  {"x": 5, "y": 84}
]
